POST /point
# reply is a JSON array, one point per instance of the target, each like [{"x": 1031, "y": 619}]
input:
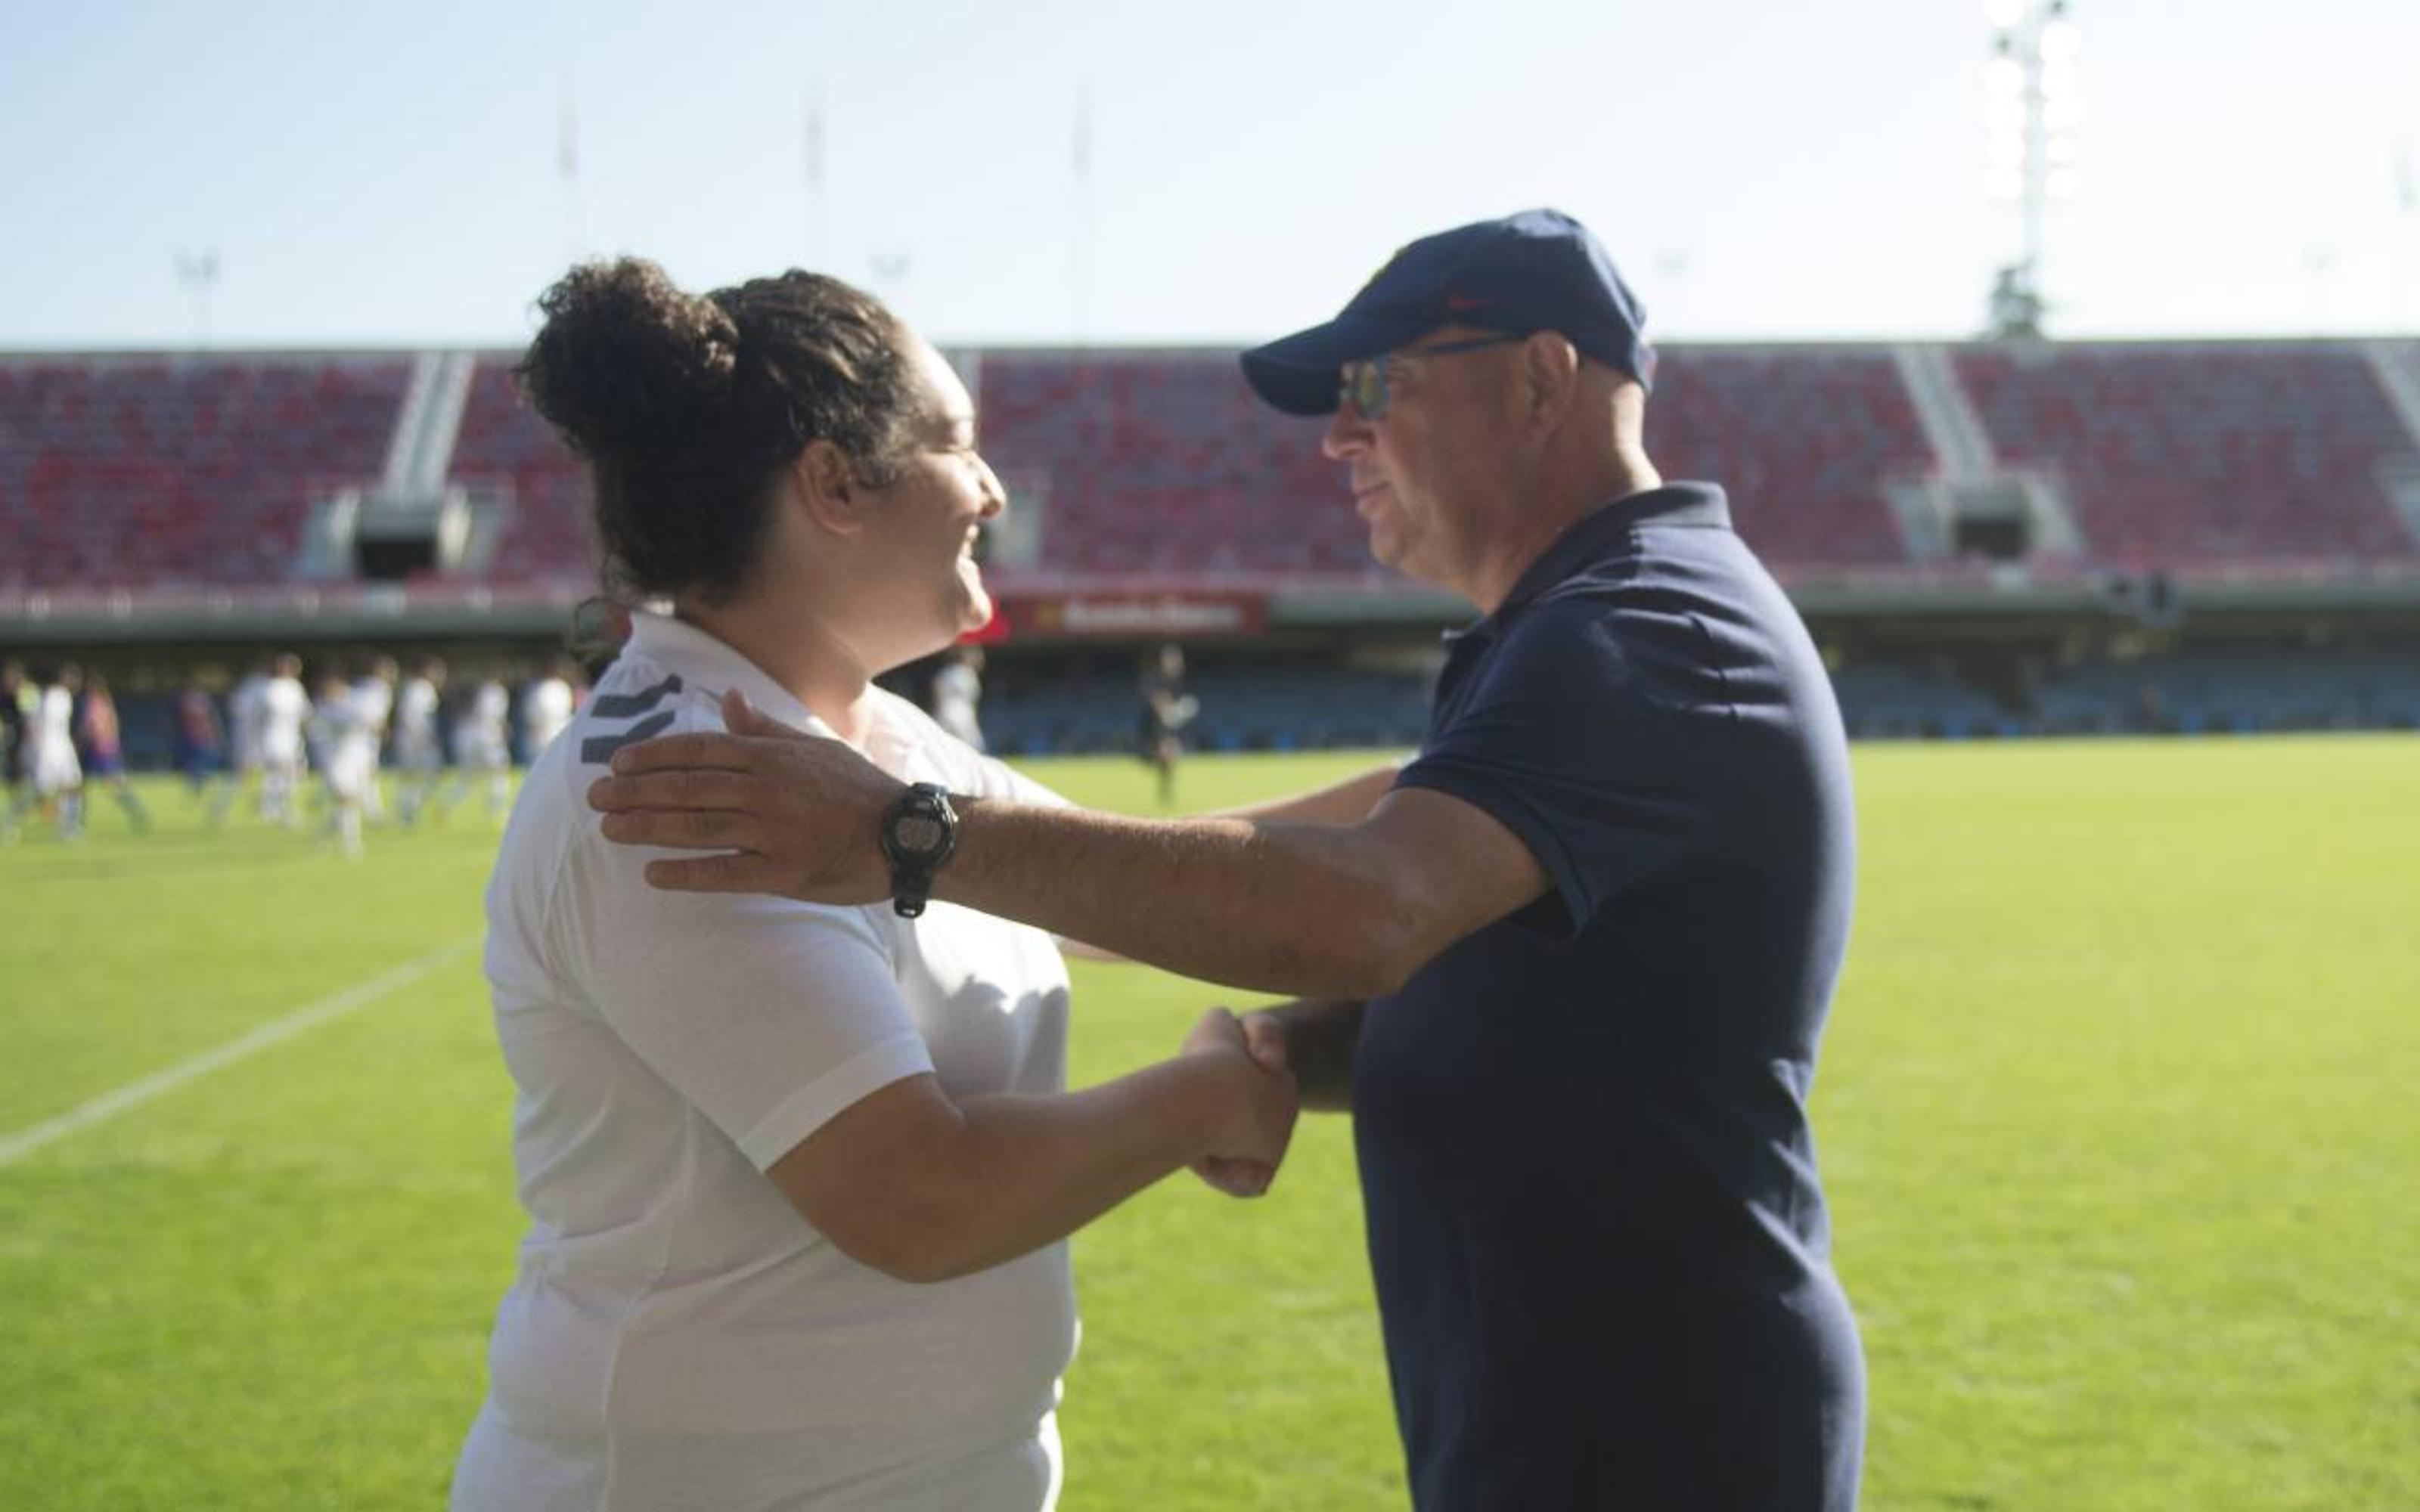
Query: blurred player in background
[
  {"x": 247, "y": 709},
  {"x": 55, "y": 778},
  {"x": 419, "y": 753},
  {"x": 198, "y": 747},
  {"x": 482, "y": 746},
  {"x": 100, "y": 749},
  {"x": 547, "y": 705},
  {"x": 312, "y": 789},
  {"x": 958, "y": 694},
  {"x": 374, "y": 691},
  {"x": 17, "y": 700},
  {"x": 1166, "y": 710},
  {"x": 345, "y": 744},
  {"x": 284, "y": 708}
]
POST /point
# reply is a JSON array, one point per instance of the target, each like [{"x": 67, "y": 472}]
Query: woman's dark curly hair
[{"x": 688, "y": 408}]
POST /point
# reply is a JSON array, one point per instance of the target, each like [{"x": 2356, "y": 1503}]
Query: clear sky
[{"x": 391, "y": 175}]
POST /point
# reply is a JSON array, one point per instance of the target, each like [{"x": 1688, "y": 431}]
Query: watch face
[{"x": 918, "y": 834}]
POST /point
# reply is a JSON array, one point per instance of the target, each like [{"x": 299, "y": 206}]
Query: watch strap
[{"x": 911, "y": 871}]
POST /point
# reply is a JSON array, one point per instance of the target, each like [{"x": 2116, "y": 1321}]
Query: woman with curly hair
[{"x": 799, "y": 1177}]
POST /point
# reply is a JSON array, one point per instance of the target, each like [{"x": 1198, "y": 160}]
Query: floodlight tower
[{"x": 2034, "y": 109}]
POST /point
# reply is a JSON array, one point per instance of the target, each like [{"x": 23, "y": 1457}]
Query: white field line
[{"x": 309, "y": 1016}]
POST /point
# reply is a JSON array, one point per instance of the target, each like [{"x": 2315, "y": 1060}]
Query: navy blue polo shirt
[{"x": 1599, "y": 1241}]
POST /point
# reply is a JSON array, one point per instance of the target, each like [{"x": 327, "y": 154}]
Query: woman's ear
[{"x": 828, "y": 488}]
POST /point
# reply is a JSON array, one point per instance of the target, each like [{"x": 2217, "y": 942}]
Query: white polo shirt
[
  {"x": 479, "y": 735},
  {"x": 679, "y": 1336},
  {"x": 415, "y": 722},
  {"x": 345, "y": 742},
  {"x": 247, "y": 708},
  {"x": 284, "y": 708},
  {"x": 375, "y": 698},
  {"x": 54, "y": 767},
  {"x": 545, "y": 708}
]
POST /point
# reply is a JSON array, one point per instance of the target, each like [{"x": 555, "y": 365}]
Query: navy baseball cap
[{"x": 1537, "y": 271}]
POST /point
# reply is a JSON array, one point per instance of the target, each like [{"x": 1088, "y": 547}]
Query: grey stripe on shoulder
[
  {"x": 598, "y": 749},
  {"x": 623, "y": 706}
]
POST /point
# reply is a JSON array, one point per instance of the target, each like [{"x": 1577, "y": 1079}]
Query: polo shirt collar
[
  {"x": 1590, "y": 539},
  {"x": 701, "y": 660}
]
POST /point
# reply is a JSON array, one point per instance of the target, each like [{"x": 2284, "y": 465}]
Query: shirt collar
[
  {"x": 699, "y": 658},
  {"x": 1696, "y": 505}
]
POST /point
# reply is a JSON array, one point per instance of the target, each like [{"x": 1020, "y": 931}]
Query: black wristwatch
[{"x": 920, "y": 829}]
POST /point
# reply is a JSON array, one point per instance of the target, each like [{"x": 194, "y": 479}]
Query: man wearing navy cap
[{"x": 1571, "y": 963}]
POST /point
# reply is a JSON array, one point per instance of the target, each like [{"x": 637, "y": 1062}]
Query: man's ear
[
  {"x": 827, "y": 486},
  {"x": 1550, "y": 378}
]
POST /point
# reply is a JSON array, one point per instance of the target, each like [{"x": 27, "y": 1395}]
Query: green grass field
[{"x": 2117, "y": 1113}]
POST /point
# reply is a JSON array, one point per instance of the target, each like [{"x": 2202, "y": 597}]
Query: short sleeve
[
  {"x": 1584, "y": 734},
  {"x": 769, "y": 1016}
]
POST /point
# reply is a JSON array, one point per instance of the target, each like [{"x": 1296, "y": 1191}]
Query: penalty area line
[{"x": 327, "y": 1010}]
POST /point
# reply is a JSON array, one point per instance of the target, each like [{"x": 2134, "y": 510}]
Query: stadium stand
[
  {"x": 139, "y": 471},
  {"x": 2183, "y": 456},
  {"x": 1801, "y": 438},
  {"x": 1157, "y": 462},
  {"x": 505, "y": 455},
  {"x": 1161, "y": 462},
  {"x": 2238, "y": 690},
  {"x": 142, "y": 470},
  {"x": 2238, "y": 541},
  {"x": 1914, "y": 698}
]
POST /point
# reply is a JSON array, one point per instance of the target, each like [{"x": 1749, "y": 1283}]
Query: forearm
[
  {"x": 1346, "y": 802},
  {"x": 1272, "y": 907},
  {"x": 1320, "y": 1037},
  {"x": 1316, "y": 909},
  {"x": 1025, "y": 1171}
]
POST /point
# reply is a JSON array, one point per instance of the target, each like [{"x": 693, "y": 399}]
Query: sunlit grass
[{"x": 2115, "y": 1113}]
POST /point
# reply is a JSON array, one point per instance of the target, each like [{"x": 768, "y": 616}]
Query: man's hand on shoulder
[
  {"x": 800, "y": 816},
  {"x": 1346, "y": 910}
]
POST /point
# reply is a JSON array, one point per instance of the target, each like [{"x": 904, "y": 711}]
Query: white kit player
[
  {"x": 374, "y": 694},
  {"x": 345, "y": 739},
  {"x": 417, "y": 752},
  {"x": 547, "y": 705},
  {"x": 57, "y": 776},
  {"x": 247, "y": 705},
  {"x": 958, "y": 694},
  {"x": 481, "y": 745},
  {"x": 283, "y": 710}
]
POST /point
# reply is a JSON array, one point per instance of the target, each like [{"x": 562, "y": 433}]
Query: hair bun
[{"x": 627, "y": 363}]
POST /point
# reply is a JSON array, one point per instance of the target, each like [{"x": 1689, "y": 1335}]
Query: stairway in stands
[
  {"x": 2397, "y": 366},
  {"x": 1972, "y": 487}
]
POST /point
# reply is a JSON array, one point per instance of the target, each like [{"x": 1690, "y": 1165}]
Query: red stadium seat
[
  {"x": 505, "y": 446},
  {"x": 150, "y": 471},
  {"x": 1801, "y": 439},
  {"x": 178, "y": 472},
  {"x": 2182, "y": 456}
]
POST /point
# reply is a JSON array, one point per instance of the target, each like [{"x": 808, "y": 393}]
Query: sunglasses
[{"x": 1364, "y": 385}]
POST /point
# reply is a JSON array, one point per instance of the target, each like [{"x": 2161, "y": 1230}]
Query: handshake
[{"x": 1262, "y": 1100}]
